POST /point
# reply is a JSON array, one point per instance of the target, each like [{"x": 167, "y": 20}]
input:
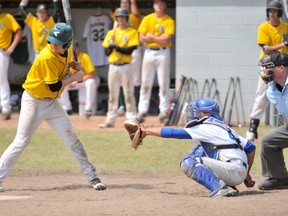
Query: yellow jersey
[
  {"x": 270, "y": 35},
  {"x": 39, "y": 30},
  {"x": 123, "y": 38},
  {"x": 48, "y": 68},
  {"x": 157, "y": 26},
  {"x": 8, "y": 25},
  {"x": 86, "y": 63}
]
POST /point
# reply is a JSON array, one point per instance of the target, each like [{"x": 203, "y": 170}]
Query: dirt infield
[{"x": 128, "y": 193}]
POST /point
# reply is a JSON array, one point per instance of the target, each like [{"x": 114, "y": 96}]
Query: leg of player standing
[
  {"x": 4, "y": 86},
  {"x": 65, "y": 100},
  {"x": 147, "y": 79},
  {"x": 163, "y": 74},
  {"x": 90, "y": 90}
]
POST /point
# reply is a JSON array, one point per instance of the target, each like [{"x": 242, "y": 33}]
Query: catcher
[{"x": 221, "y": 161}]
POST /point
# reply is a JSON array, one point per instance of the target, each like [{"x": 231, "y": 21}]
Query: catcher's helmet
[
  {"x": 62, "y": 34},
  {"x": 205, "y": 105},
  {"x": 122, "y": 12},
  {"x": 276, "y": 6}
]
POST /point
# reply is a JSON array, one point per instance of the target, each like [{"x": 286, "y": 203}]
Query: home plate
[{"x": 14, "y": 197}]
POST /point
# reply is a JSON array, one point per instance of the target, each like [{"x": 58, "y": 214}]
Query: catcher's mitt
[{"x": 135, "y": 133}]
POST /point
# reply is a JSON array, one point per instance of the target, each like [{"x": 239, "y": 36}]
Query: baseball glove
[{"x": 135, "y": 133}]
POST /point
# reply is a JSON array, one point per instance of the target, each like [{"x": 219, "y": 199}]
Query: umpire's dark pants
[{"x": 272, "y": 158}]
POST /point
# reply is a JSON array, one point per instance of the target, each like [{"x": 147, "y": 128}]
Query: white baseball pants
[
  {"x": 87, "y": 96},
  {"x": 4, "y": 83},
  {"x": 137, "y": 65},
  {"x": 155, "y": 61},
  {"x": 33, "y": 113}
]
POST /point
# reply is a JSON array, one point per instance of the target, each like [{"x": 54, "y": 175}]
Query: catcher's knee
[{"x": 188, "y": 164}]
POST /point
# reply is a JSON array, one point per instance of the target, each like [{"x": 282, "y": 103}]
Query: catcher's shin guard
[{"x": 196, "y": 171}]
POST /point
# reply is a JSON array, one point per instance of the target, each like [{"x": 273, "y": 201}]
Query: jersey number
[{"x": 98, "y": 34}]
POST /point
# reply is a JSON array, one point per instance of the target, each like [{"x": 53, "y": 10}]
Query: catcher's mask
[
  {"x": 268, "y": 64},
  {"x": 205, "y": 105}
]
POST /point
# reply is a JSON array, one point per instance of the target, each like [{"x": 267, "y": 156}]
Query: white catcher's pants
[
  {"x": 155, "y": 61},
  {"x": 4, "y": 83},
  {"x": 87, "y": 96},
  {"x": 33, "y": 112}
]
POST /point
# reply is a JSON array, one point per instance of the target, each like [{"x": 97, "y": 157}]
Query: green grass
[{"x": 109, "y": 151}]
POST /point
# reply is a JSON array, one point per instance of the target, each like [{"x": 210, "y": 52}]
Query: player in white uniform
[
  {"x": 96, "y": 28},
  {"x": 222, "y": 160},
  {"x": 87, "y": 90},
  {"x": 8, "y": 26}
]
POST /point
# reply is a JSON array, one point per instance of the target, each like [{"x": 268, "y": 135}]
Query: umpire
[{"x": 273, "y": 143}]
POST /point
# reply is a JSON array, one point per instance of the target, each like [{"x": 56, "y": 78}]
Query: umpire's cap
[{"x": 60, "y": 33}]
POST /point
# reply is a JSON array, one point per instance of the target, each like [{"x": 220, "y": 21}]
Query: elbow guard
[{"x": 55, "y": 86}]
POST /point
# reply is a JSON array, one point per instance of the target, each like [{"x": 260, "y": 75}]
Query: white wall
[{"x": 218, "y": 39}]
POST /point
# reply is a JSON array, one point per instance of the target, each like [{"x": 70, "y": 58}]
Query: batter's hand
[
  {"x": 78, "y": 76},
  {"x": 76, "y": 65}
]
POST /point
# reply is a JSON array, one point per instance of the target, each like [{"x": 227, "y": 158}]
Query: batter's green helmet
[
  {"x": 60, "y": 33},
  {"x": 122, "y": 12}
]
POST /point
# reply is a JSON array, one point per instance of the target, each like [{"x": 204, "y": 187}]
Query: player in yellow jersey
[
  {"x": 8, "y": 26},
  {"x": 134, "y": 21},
  {"x": 45, "y": 81},
  {"x": 271, "y": 38},
  {"x": 40, "y": 24},
  {"x": 87, "y": 90},
  {"x": 119, "y": 45},
  {"x": 156, "y": 31}
]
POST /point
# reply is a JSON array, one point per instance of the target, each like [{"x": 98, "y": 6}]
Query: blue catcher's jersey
[{"x": 214, "y": 131}]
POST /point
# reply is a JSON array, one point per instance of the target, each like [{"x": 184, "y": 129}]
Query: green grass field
[{"x": 109, "y": 151}]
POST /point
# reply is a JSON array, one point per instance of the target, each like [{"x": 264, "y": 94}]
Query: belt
[
  {"x": 242, "y": 162},
  {"x": 120, "y": 63},
  {"x": 157, "y": 48}
]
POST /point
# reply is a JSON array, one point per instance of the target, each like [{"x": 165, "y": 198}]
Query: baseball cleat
[
  {"x": 227, "y": 191},
  {"x": 88, "y": 113},
  {"x": 6, "y": 116},
  {"x": 106, "y": 125},
  {"x": 97, "y": 184},
  {"x": 273, "y": 184},
  {"x": 121, "y": 111}
]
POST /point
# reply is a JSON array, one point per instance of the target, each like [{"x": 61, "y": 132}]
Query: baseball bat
[
  {"x": 68, "y": 18},
  {"x": 285, "y": 4}
]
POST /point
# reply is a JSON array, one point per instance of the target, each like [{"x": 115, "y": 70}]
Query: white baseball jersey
[{"x": 96, "y": 28}]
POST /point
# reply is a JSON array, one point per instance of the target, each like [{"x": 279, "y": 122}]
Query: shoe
[
  {"x": 97, "y": 184},
  {"x": 227, "y": 191},
  {"x": 250, "y": 136},
  {"x": 88, "y": 113},
  {"x": 121, "y": 111},
  {"x": 162, "y": 116},
  {"x": 6, "y": 116},
  {"x": 106, "y": 125},
  {"x": 1, "y": 188},
  {"x": 69, "y": 112},
  {"x": 140, "y": 118},
  {"x": 273, "y": 184}
]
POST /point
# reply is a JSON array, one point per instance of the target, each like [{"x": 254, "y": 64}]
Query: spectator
[
  {"x": 87, "y": 90},
  {"x": 40, "y": 26},
  {"x": 275, "y": 71},
  {"x": 156, "y": 31},
  {"x": 270, "y": 40},
  {"x": 134, "y": 22},
  {"x": 119, "y": 45},
  {"x": 9, "y": 26}
]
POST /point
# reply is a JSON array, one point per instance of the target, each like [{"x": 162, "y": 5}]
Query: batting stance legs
[
  {"x": 4, "y": 84},
  {"x": 33, "y": 112},
  {"x": 212, "y": 174}
]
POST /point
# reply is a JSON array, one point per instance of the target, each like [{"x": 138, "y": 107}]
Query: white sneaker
[
  {"x": 121, "y": 111},
  {"x": 106, "y": 125},
  {"x": 250, "y": 135}
]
